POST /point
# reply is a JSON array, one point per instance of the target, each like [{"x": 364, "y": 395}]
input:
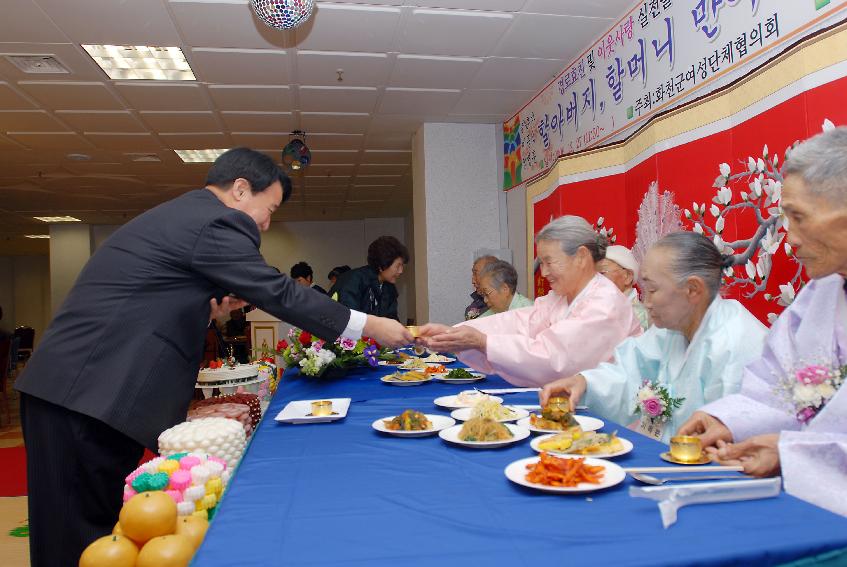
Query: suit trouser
[{"x": 76, "y": 467}]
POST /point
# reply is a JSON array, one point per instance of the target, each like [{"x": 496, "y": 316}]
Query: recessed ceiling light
[
  {"x": 37, "y": 236},
  {"x": 141, "y": 62},
  {"x": 199, "y": 156},
  {"x": 57, "y": 219}
]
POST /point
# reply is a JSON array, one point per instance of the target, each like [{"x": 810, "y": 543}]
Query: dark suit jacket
[
  {"x": 360, "y": 289},
  {"x": 126, "y": 345}
]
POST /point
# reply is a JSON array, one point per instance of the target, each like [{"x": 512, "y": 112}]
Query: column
[{"x": 70, "y": 249}]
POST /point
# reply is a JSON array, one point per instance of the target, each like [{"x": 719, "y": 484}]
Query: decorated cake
[
  {"x": 215, "y": 436},
  {"x": 195, "y": 481},
  {"x": 250, "y": 400},
  {"x": 231, "y": 410},
  {"x": 227, "y": 375}
]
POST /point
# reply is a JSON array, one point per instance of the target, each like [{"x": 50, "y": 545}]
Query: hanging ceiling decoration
[
  {"x": 283, "y": 14},
  {"x": 296, "y": 154}
]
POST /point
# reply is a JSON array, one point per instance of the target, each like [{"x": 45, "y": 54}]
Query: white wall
[
  {"x": 25, "y": 293},
  {"x": 326, "y": 244},
  {"x": 458, "y": 198},
  {"x": 70, "y": 249}
]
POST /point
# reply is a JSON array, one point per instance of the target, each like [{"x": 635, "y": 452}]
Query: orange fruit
[
  {"x": 117, "y": 529},
  {"x": 109, "y": 551},
  {"x": 166, "y": 551},
  {"x": 148, "y": 515},
  {"x": 193, "y": 527}
]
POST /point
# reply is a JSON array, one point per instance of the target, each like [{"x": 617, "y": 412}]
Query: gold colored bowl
[
  {"x": 686, "y": 448},
  {"x": 322, "y": 407}
]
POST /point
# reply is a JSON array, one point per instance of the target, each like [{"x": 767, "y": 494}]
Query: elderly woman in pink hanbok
[
  {"x": 574, "y": 327},
  {"x": 791, "y": 414}
]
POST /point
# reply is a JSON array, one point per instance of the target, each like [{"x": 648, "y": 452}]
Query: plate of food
[
  {"x": 413, "y": 378},
  {"x": 439, "y": 358},
  {"x": 579, "y": 442},
  {"x": 484, "y": 433},
  {"x": 435, "y": 369},
  {"x": 460, "y": 376},
  {"x": 466, "y": 399},
  {"x": 557, "y": 422},
  {"x": 413, "y": 423},
  {"x": 413, "y": 364},
  {"x": 491, "y": 409},
  {"x": 567, "y": 474}
]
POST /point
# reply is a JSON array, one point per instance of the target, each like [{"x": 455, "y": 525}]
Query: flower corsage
[
  {"x": 808, "y": 389},
  {"x": 654, "y": 403}
]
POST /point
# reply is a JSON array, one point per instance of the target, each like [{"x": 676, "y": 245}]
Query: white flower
[
  {"x": 770, "y": 243},
  {"x": 775, "y": 159},
  {"x": 750, "y": 268},
  {"x": 715, "y": 210},
  {"x": 777, "y": 192},
  {"x": 765, "y": 151},
  {"x": 751, "y": 164},
  {"x": 772, "y": 317},
  {"x": 760, "y": 165},
  {"x": 687, "y": 214},
  {"x": 724, "y": 167},
  {"x": 721, "y": 245},
  {"x": 728, "y": 272},
  {"x": 645, "y": 393},
  {"x": 725, "y": 195},
  {"x": 827, "y": 125},
  {"x": 806, "y": 395},
  {"x": 788, "y": 250},
  {"x": 743, "y": 195},
  {"x": 763, "y": 266},
  {"x": 768, "y": 297},
  {"x": 719, "y": 224},
  {"x": 756, "y": 187},
  {"x": 698, "y": 229},
  {"x": 600, "y": 222},
  {"x": 825, "y": 390},
  {"x": 786, "y": 294},
  {"x": 603, "y": 232}
]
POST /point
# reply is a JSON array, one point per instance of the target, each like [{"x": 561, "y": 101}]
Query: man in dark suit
[{"x": 119, "y": 361}]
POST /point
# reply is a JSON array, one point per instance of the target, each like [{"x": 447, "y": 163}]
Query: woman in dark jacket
[{"x": 371, "y": 289}]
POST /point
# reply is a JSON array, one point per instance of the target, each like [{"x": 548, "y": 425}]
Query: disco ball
[{"x": 283, "y": 14}]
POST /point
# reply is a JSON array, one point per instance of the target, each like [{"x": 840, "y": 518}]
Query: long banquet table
[{"x": 342, "y": 493}]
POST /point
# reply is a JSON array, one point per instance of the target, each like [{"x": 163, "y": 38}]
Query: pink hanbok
[{"x": 552, "y": 339}]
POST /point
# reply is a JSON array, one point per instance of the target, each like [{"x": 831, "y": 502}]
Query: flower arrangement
[
  {"x": 315, "y": 356},
  {"x": 808, "y": 389},
  {"x": 654, "y": 402}
]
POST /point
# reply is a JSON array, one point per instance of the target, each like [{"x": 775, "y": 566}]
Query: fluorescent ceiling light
[
  {"x": 141, "y": 62},
  {"x": 37, "y": 236},
  {"x": 57, "y": 219},
  {"x": 199, "y": 156}
]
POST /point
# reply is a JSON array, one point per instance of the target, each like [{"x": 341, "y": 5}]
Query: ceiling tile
[
  {"x": 51, "y": 140},
  {"x": 6, "y": 143},
  {"x": 260, "y": 140},
  {"x": 614, "y": 9},
  {"x": 80, "y": 66},
  {"x": 333, "y": 170},
  {"x": 345, "y": 27},
  {"x": 337, "y": 99},
  {"x": 251, "y": 97},
  {"x": 359, "y": 69},
  {"x": 388, "y": 141},
  {"x": 29, "y": 121},
  {"x": 160, "y": 96},
  {"x": 452, "y": 32},
  {"x": 56, "y": 95},
  {"x": 226, "y": 24},
  {"x": 258, "y": 121},
  {"x": 335, "y": 156},
  {"x": 365, "y": 168},
  {"x": 135, "y": 22},
  {"x": 101, "y": 121},
  {"x": 345, "y": 123},
  {"x": 424, "y": 101},
  {"x": 335, "y": 141},
  {"x": 11, "y": 100},
  {"x": 434, "y": 71},
  {"x": 121, "y": 141},
  {"x": 174, "y": 122},
  {"x": 387, "y": 156},
  {"x": 548, "y": 40},
  {"x": 240, "y": 66},
  {"x": 194, "y": 141},
  {"x": 516, "y": 74},
  {"x": 493, "y": 5},
  {"x": 494, "y": 102},
  {"x": 38, "y": 25}
]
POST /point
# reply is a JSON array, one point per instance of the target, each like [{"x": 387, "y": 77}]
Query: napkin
[{"x": 672, "y": 498}]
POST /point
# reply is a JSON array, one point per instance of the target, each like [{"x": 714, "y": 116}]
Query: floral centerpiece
[
  {"x": 315, "y": 356},
  {"x": 808, "y": 389}
]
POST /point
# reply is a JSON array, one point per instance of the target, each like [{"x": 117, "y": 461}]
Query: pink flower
[
  {"x": 652, "y": 407},
  {"x": 813, "y": 375},
  {"x": 347, "y": 344},
  {"x": 806, "y": 414}
]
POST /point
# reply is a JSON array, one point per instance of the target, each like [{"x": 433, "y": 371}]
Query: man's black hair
[{"x": 258, "y": 169}]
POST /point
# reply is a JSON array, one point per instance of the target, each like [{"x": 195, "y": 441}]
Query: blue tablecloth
[{"x": 342, "y": 493}]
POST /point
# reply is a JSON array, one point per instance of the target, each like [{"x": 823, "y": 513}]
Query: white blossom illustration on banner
[
  {"x": 756, "y": 189},
  {"x": 658, "y": 215},
  {"x": 608, "y": 232}
]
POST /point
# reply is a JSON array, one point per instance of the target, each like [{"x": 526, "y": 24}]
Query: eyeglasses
[{"x": 486, "y": 293}]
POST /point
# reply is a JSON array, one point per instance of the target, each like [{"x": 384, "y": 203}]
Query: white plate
[
  {"x": 405, "y": 366},
  {"x": 614, "y": 474},
  {"x": 300, "y": 411},
  {"x": 477, "y": 376},
  {"x": 389, "y": 363},
  {"x": 439, "y": 422},
  {"x": 585, "y": 422},
  {"x": 627, "y": 447},
  {"x": 438, "y": 359},
  {"x": 388, "y": 380},
  {"x": 451, "y": 435},
  {"x": 464, "y": 414},
  {"x": 452, "y": 402}
]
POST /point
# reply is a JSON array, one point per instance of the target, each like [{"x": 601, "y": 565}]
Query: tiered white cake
[
  {"x": 240, "y": 373},
  {"x": 215, "y": 436}
]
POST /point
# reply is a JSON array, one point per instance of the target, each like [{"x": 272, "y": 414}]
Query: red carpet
[{"x": 13, "y": 472}]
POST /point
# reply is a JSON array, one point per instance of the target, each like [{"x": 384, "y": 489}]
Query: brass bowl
[{"x": 686, "y": 448}]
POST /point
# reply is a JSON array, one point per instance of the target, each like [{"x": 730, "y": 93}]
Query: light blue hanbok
[{"x": 729, "y": 337}]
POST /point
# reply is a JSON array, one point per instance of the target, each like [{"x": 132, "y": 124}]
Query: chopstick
[{"x": 685, "y": 469}]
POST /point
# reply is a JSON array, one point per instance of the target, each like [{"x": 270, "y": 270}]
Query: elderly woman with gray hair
[
  {"x": 498, "y": 285},
  {"x": 790, "y": 417},
  {"x": 575, "y": 326},
  {"x": 696, "y": 351}
]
